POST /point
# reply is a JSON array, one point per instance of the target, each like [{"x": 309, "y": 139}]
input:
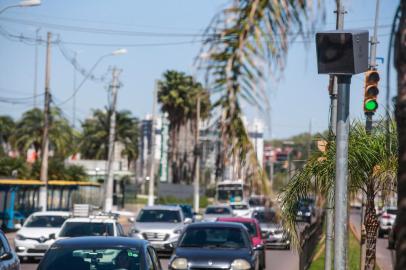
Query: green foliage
[
  {"x": 174, "y": 200},
  {"x": 57, "y": 170},
  {"x": 14, "y": 167},
  {"x": 7, "y": 127}
]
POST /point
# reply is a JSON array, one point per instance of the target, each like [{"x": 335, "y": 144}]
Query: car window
[
  {"x": 157, "y": 265},
  {"x": 218, "y": 211},
  {"x": 392, "y": 211},
  {"x": 159, "y": 216},
  {"x": 239, "y": 207},
  {"x": 45, "y": 221},
  {"x": 120, "y": 229},
  {"x": 265, "y": 216},
  {"x": 252, "y": 229},
  {"x": 75, "y": 229}
]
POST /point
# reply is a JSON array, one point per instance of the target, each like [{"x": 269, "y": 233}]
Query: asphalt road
[{"x": 385, "y": 257}]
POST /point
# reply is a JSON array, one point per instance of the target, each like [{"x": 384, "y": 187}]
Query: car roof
[
  {"x": 237, "y": 219},
  {"x": 163, "y": 207},
  {"x": 52, "y": 213},
  {"x": 100, "y": 242},
  {"x": 219, "y": 206},
  {"x": 215, "y": 225},
  {"x": 91, "y": 219},
  {"x": 239, "y": 203}
]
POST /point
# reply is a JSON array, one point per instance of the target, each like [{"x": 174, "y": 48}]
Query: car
[
  {"x": 214, "y": 212},
  {"x": 267, "y": 220},
  {"x": 94, "y": 225},
  {"x": 305, "y": 210},
  {"x": 97, "y": 252},
  {"x": 187, "y": 211},
  {"x": 215, "y": 245},
  {"x": 8, "y": 258},
  {"x": 392, "y": 237},
  {"x": 36, "y": 234},
  {"x": 254, "y": 232},
  {"x": 241, "y": 209},
  {"x": 386, "y": 220},
  {"x": 161, "y": 225}
]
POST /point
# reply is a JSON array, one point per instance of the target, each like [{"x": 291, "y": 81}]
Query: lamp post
[{"x": 24, "y": 3}]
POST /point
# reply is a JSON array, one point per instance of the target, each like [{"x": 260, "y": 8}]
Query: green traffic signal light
[{"x": 371, "y": 105}]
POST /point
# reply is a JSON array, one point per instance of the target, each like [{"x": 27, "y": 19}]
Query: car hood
[
  {"x": 37, "y": 232},
  {"x": 154, "y": 226},
  {"x": 216, "y": 255}
]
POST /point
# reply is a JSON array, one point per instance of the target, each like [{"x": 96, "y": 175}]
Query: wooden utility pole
[{"x": 45, "y": 140}]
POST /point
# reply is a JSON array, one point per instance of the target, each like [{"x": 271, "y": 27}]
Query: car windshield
[
  {"x": 75, "y": 229},
  {"x": 392, "y": 211},
  {"x": 265, "y": 216},
  {"x": 239, "y": 206},
  {"x": 256, "y": 202},
  {"x": 97, "y": 258},
  {"x": 166, "y": 216},
  {"x": 218, "y": 211},
  {"x": 45, "y": 221},
  {"x": 213, "y": 238}
]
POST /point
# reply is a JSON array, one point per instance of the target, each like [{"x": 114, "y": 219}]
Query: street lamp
[{"x": 24, "y": 3}]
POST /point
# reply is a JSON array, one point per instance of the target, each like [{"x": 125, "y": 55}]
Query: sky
[{"x": 161, "y": 35}]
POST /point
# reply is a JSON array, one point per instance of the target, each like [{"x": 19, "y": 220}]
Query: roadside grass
[{"x": 353, "y": 255}]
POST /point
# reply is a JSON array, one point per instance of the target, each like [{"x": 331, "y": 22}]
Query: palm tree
[
  {"x": 400, "y": 64},
  {"x": 372, "y": 169},
  {"x": 7, "y": 126},
  {"x": 95, "y": 135},
  {"x": 29, "y": 129},
  {"x": 178, "y": 94}
]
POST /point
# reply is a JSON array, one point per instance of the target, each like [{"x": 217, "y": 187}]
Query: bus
[{"x": 232, "y": 191}]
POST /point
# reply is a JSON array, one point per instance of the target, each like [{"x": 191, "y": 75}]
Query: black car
[
  {"x": 305, "y": 210},
  {"x": 8, "y": 258},
  {"x": 215, "y": 245},
  {"x": 98, "y": 252}
]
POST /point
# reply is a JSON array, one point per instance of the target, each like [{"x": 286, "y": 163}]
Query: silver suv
[{"x": 161, "y": 225}]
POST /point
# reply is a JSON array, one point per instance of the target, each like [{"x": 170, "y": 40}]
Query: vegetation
[
  {"x": 371, "y": 168},
  {"x": 204, "y": 202}
]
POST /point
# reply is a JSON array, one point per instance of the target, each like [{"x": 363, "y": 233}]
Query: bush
[
  {"x": 14, "y": 167},
  {"x": 173, "y": 200}
]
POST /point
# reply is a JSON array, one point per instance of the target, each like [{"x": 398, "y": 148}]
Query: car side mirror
[
  {"x": 52, "y": 236},
  {"x": 188, "y": 221},
  {"x": 18, "y": 226},
  {"x": 6, "y": 256},
  {"x": 131, "y": 219}
]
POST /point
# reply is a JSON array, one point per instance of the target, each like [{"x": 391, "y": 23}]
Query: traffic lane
[{"x": 384, "y": 256}]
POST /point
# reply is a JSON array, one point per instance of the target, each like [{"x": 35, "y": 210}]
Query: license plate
[{"x": 43, "y": 247}]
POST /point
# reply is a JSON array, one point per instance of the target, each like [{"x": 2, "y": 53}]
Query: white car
[
  {"x": 101, "y": 225},
  {"x": 386, "y": 220},
  {"x": 241, "y": 209},
  {"x": 35, "y": 236}
]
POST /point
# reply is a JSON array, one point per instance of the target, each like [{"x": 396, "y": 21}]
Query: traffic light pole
[{"x": 341, "y": 182}]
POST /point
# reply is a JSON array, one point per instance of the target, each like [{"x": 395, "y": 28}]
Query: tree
[
  {"x": 29, "y": 129},
  {"x": 7, "y": 127},
  {"x": 371, "y": 169},
  {"x": 57, "y": 170},
  {"x": 95, "y": 135},
  {"x": 14, "y": 167},
  {"x": 178, "y": 95},
  {"x": 400, "y": 64}
]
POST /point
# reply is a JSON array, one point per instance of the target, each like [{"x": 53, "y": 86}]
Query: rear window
[
  {"x": 218, "y": 211},
  {"x": 392, "y": 211},
  {"x": 239, "y": 206},
  {"x": 75, "y": 229}
]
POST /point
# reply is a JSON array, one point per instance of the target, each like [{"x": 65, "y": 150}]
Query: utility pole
[
  {"x": 196, "y": 195},
  {"x": 43, "y": 201},
  {"x": 36, "y": 67},
  {"x": 340, "y": 11},
  {"x": 110, "y": 170},
  {"x": 74, "y": 90},
  {"x": 151, "y": 198}
]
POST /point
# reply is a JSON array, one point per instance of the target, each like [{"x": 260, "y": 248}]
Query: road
[
  {"x": 275, "y": 259},
  {"x": 384, "y": 256}
]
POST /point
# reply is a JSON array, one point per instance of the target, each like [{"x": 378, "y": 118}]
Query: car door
[{"x": 8, "y": 260}]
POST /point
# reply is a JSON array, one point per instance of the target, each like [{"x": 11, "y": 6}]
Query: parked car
[
  {"x": 215, "y": 245},
  {"x": 36, "y": 234},
  {"x": 241, "y": 209},
  {"x": 8, "y": 258},
  {"x": 161, "y": 225},
  {"x": 386, "y": 220},
  {"x": 254, "y": 231},
  {"x": 392, "y": 237},
  {"x": 98, "y": 225},
  {"x": 105, "y": 253},
  {"x": 214, "y": 212}
]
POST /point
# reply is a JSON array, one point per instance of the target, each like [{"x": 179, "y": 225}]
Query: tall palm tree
[
  {"x": 372, "y": 169},
  {"x": 29, "y": 129},
  {"x": 7, "y": 126},
  {"x": 400, "y": 64},
  {"x": 95, "y": 135}
]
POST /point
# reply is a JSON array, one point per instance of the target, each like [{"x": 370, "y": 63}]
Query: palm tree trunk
[
  {"x": 371, "y": 228},
  {"x": 400, "y": 63}
]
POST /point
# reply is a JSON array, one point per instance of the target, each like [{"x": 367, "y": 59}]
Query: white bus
[{"x": 232, "y": 191}]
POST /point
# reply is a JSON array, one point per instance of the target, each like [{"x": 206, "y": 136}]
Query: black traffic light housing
[{"x": 371, "y": 91}]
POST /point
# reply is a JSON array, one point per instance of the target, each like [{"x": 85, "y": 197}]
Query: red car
[{"x": 254, "y": 231}]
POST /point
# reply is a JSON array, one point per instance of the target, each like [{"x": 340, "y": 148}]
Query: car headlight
[
  {"x": 240, "y": 264},
  {"x": 307, "y": 214},
  {"x": 20, "y": 237},
  {"x": 179, "y": 263},
  {"x": 299, "y": 213}
]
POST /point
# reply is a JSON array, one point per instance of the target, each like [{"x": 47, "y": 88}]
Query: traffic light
[{"x": 371, "y": 91}]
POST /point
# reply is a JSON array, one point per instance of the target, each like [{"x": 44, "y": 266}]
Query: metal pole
[
  {"x": 45, "y": 140},
  {"x": 340, "y": 11},
  {"x": 196, "y": 195},
  {"x": 374, "y": 39},
  {"x": 110, "y": 170},
  {"x": 151, "y": 198},
  {"x": 74, "y": 96},
  {"x": 36, "y": 67},
  {"x": 341, "y": 200}
]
